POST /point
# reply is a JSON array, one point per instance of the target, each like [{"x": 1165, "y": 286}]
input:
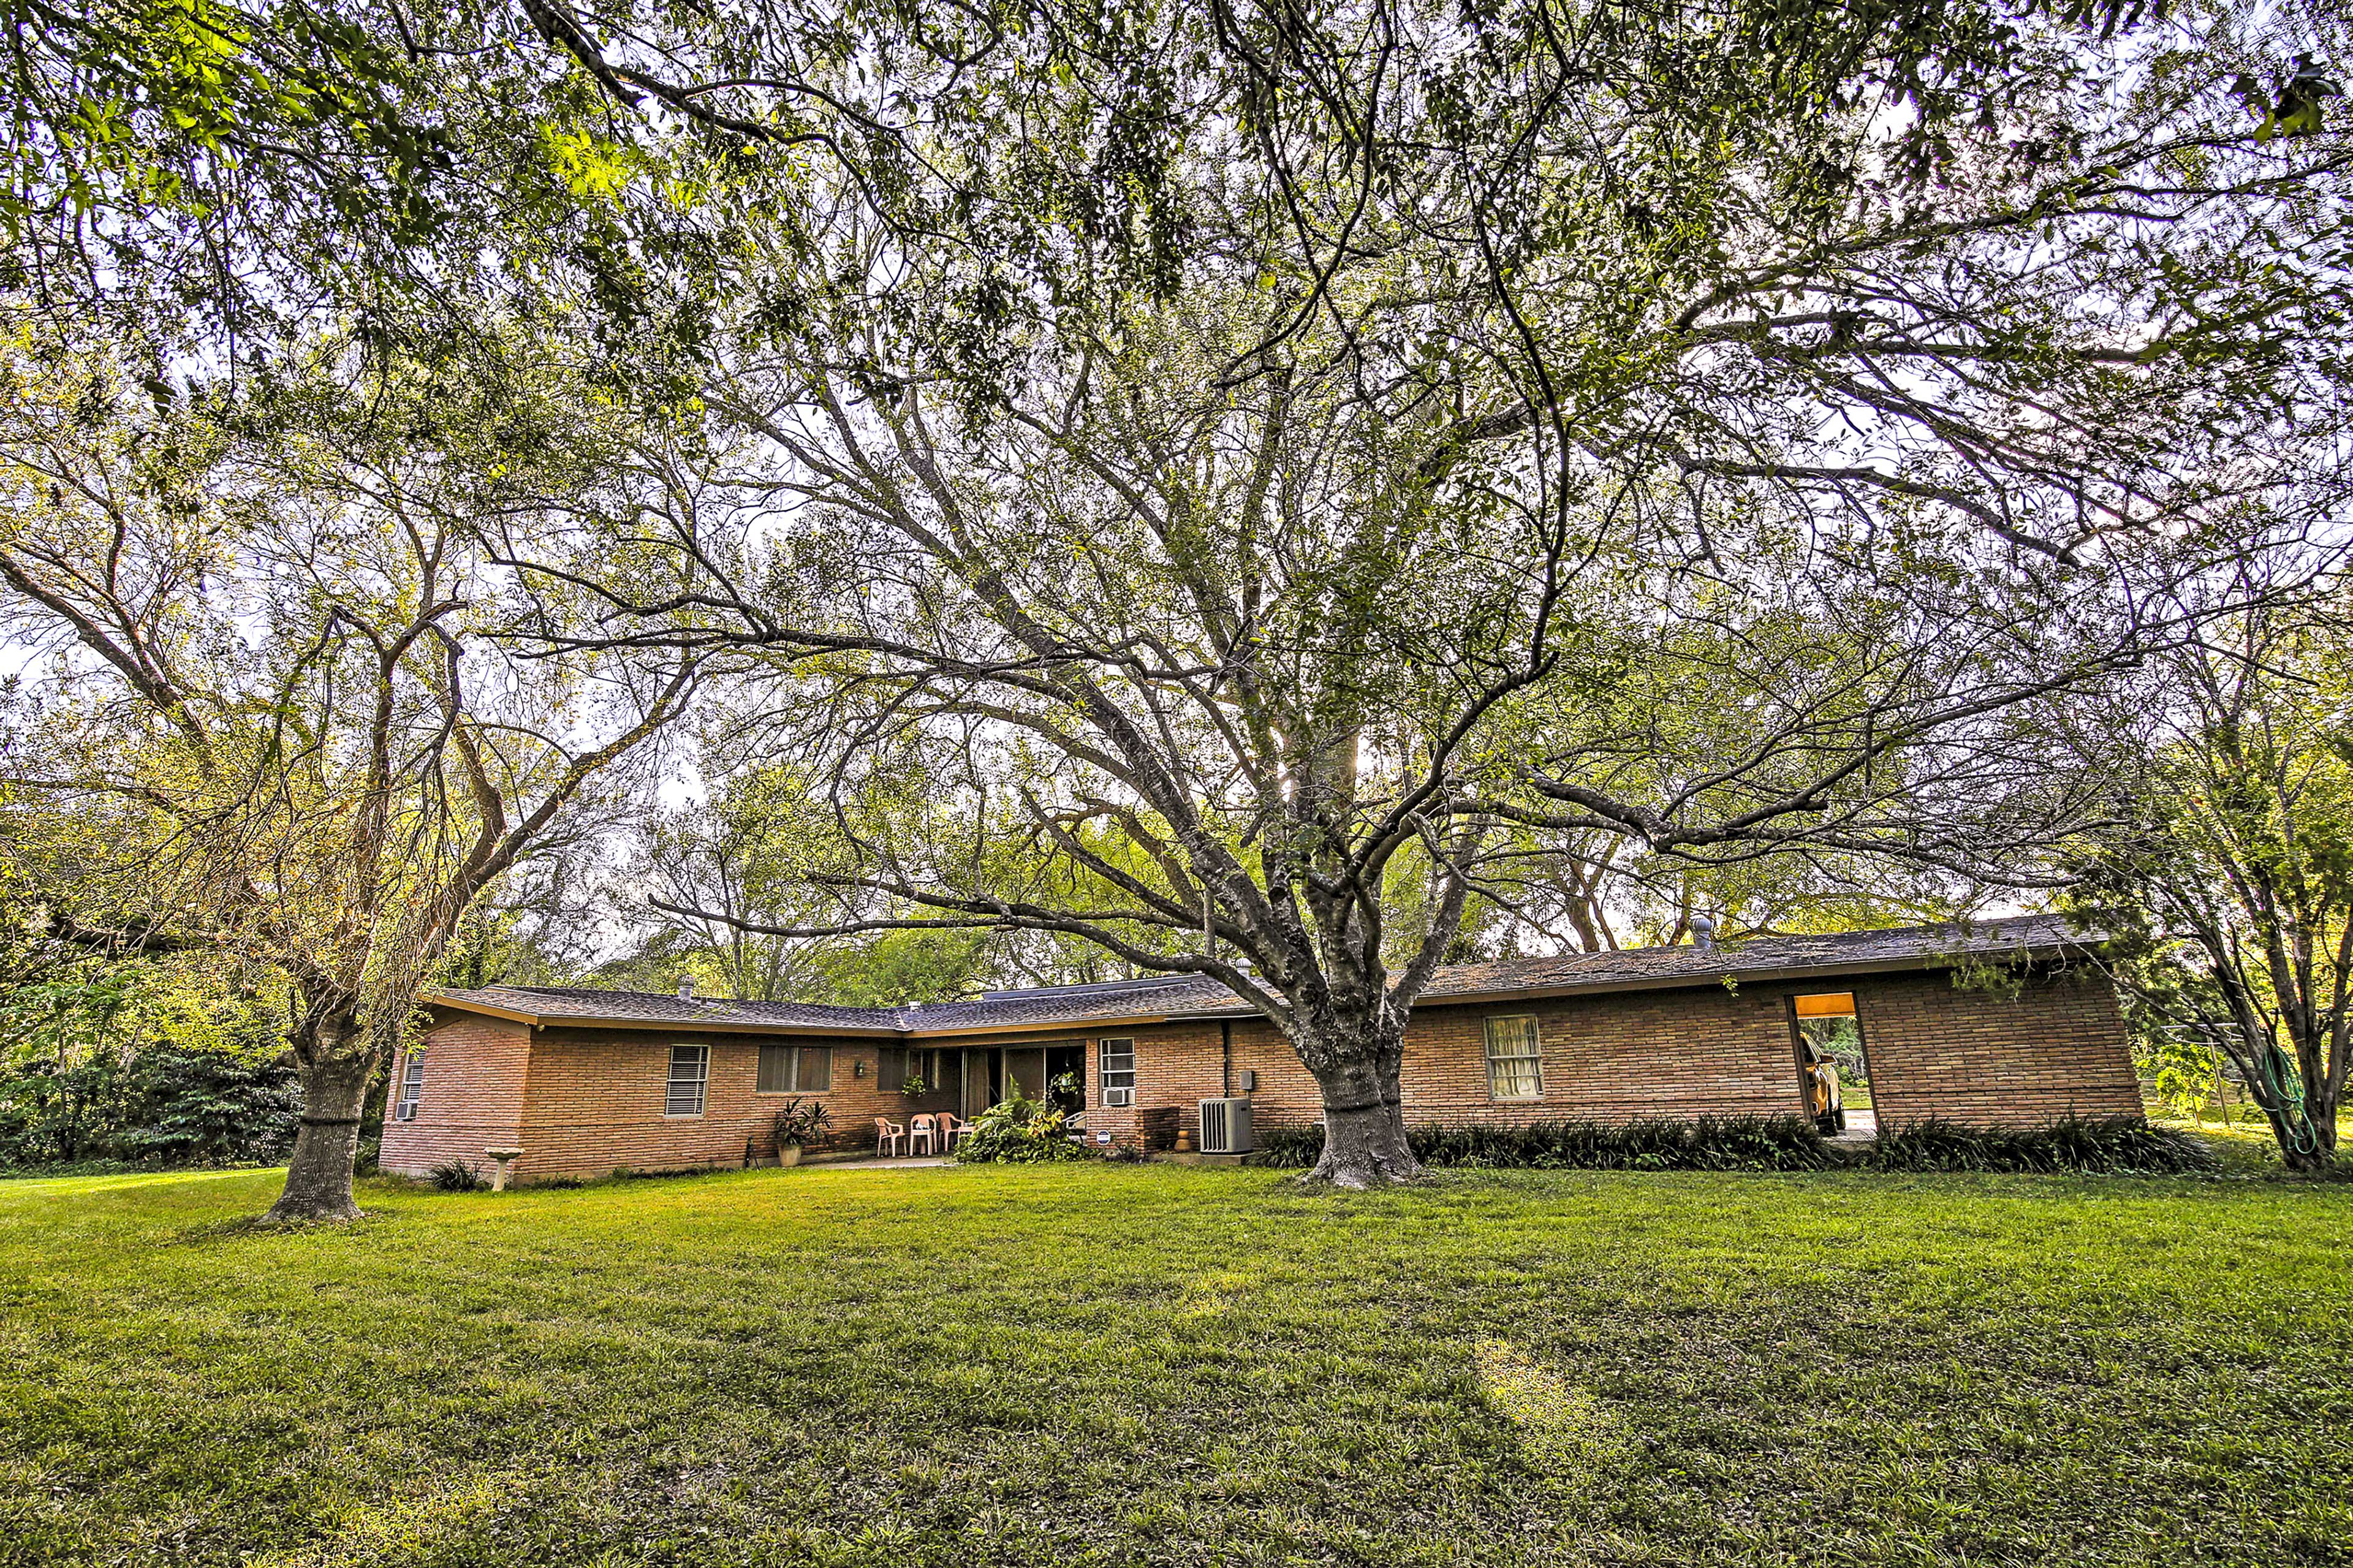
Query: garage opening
[{"x": 1833, "y": 1070}]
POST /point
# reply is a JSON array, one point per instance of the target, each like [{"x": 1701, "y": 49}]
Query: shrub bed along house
[
  {"x": 1710, "y": 1144},
  {"x": 2122, "y": 1145}
]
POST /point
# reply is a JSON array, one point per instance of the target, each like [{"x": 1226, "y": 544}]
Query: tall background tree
[
  {"x": 2228, "y": 868},
  {"x": 1292, "y": 471},
  {"x": 268, "y": 687},
  {"x": 1446, "y": 440}
]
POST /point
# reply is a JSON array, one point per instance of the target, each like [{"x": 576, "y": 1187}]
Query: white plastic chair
[{"x": 923, "y": 1135}]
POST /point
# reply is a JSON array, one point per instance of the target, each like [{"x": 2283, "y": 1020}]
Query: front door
[{"x": 1829, "y": 1049}]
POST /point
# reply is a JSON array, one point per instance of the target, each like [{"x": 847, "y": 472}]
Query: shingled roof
[{"x": 1196, "y": 996}]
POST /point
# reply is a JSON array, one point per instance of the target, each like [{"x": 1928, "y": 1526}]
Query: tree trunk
[
  {"x": 1364, "y": 1128},
  {"x": 319, "y": 1177},
  {"x": 2319, "y": 1126}
]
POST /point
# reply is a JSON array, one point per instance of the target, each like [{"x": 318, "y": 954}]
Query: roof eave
[
  {"x": 1913, "y": 964},
  {"x": 695, "y": 1026},
  {"x": 1063, "y": 1027},
  {"x": 465, "y": 1004}
]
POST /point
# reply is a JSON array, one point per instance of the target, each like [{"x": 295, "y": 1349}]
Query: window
[
  {"x": 412, "y": 1084},
  {"x": 1515, "y": 1063},
  {"x": 690, "y": 1068},
  {"x": 896, "y": 1066},
  {"x": 1116, "y": 1062},
  {"x": 795, "y": 1070}
]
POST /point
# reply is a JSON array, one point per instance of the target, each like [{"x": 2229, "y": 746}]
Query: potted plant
[
  {"x": 913, "y": 1086},
  {"x": 799, "y": 1122}
]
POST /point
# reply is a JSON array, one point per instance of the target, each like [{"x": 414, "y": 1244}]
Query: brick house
[{"x": 2000, "y": 1023}]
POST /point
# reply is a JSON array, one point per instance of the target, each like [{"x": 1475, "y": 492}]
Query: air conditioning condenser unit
[{"x": 1226, "y": 1126}]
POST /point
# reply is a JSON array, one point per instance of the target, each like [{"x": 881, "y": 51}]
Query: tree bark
[
  {"x": 319, "y": 1176},
  {"x": 1364, "y": 1127}
]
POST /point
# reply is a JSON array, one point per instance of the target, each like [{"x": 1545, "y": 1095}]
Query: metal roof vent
[
  {"x": 1702, "y": 932},
  {"x": 686, "y": 988}
]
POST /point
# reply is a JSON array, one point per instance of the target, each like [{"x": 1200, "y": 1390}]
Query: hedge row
[{"x": 2120, "y": 1144}]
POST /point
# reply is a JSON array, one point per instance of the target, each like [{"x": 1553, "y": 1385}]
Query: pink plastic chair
[
  {"x": 888, "y": 1136},
  {"x": 923, "y": 1135},
  {"x": 952, "y": 1127}
]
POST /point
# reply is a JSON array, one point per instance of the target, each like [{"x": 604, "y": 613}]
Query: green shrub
[
  {"x": 456, "y": 1176},
  {"x": 1019, "y": 1132},
  {"x": 1710, "y": 1144},
  {"x": 203, "y": 1108},
  {"x": 2124, "y": 1145},
  {"x": 799, "y": 1120},
  {"x": 161, "y": 1106}
]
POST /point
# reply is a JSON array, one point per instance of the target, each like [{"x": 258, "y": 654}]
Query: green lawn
[{"x": 1158, "y": 1365}]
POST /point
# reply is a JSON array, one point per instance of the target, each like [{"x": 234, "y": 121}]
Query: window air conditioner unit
[
  {"x": 1226, "y": 1126},
  {"x": 1119, "y": 1097}
]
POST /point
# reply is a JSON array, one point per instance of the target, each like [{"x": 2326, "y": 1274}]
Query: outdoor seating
[
  {"x": 889, "y": 1136},
  {"x": 923, "y": 1135},
  {"x": 952, "y": 1127}
]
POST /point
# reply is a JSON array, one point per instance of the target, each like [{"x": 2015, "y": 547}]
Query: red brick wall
[
  {"x": 593, "y": 1098},
  {"x": 471, "y": 1100},
  {"x": 1661, "y": 1052},
  {"x": 2058, "y": 1048},
  {"x": 597, "y": 1097},
  {"x": 1177, "y": 1066}
]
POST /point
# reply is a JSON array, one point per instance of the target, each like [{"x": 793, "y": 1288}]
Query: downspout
[{"x": 1225, "y": 1058}]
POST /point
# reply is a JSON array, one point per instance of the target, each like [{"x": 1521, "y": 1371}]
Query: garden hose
[{"x": 2287, "y": 1088}]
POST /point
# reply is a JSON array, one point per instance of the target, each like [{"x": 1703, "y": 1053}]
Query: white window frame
[
  {"x": 1521, "y": 1066},
  {"x": 699, "y": 1080},
  {"x": 795, "y": 1055},
  {"x": 1115, "y": 1081},
  {"x": 412, "y": 1088}
]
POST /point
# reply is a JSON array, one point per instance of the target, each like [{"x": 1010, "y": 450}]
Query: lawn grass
[{"x": 1165, "y": 1365}]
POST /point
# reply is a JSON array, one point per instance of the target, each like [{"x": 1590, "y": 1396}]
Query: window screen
[
  {"x": 1515, "y": 1064},
  {"x": 814, "y": 1069},
  {"x": 412, "y": 1085},
  {"x": 1117, "y": 1060},
  {"x": 689, "y": 1066},
  {"x": 890, "y": 1068}
]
